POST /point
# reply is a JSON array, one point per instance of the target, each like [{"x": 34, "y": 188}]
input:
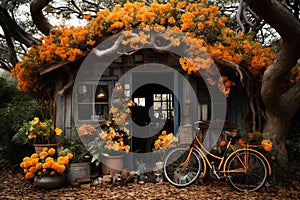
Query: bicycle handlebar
[{"x": 196, "y": 124}]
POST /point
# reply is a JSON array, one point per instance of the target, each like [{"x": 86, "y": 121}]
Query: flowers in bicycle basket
[{"x": 165, "y": 141}]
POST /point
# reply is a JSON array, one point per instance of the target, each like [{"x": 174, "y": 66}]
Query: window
[
  {"x": 141, "y": 101},
  {"x": 163, "y": 106},
  {"x": 93, "y": 101}
]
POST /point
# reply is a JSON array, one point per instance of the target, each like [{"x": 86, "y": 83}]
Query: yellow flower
[
  {"x": 31, "y": 135},
  {"x": 58, "y": 131},
  {"x": 35, "y": 120}
]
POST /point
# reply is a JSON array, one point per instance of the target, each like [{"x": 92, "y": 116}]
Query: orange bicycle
[{"x": 245, "y": 168}]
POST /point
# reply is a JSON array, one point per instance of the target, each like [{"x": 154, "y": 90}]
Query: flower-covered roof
[{"x": 200, "y": 21}]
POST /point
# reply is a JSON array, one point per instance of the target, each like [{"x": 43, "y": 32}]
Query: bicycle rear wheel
[
  {"x": 250, "y": 178},
  {"x": 181, "y": 176}
]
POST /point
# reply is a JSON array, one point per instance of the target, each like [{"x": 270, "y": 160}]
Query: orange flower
[
  {"x": 43, "y": 154},
  {"x": 222, "y": 143},
  {"x": 240, "y": 142},
  {"x": 70, "y": 156},
  {"x": 250, "y": 135},
  {"x": 29, "y": 175},
  {"x": 51, "y": 151},
  {"x": 268, "y": 148}
]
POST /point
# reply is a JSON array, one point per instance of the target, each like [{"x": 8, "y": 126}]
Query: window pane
[
  {"x": 85, "y": 92},
  {"x": 136, "y": 101},
  {"x": 101, "y": 94},
  {"x": 164, "y": 97},
  {"x": 164, "y": 105},
  {"x": 157, "y": 105},
  {"x": 165, "y": 114},
  {"x": 157, "y": 97},
  {"x": 142, "y": 102},
  {"x": 85, "y": 111}
]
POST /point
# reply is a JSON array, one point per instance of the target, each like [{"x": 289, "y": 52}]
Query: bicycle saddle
[{"x": 232, "y": 134}]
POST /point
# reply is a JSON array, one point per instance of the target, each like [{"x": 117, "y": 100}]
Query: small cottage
[{"x": 165, "y": 97}]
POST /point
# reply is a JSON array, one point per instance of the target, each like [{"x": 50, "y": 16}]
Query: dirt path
[{"x": 14, "y": 186}]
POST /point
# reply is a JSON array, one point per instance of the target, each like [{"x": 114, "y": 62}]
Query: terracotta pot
[
  {"x": 49, "y": 182},
  {"x": 112, "y": 164},
  {"x": 39, "y": 147}
]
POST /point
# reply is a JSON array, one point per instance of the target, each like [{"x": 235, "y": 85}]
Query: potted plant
[
  {"x": 46, "y": 168},
  {"x": 38, "y": 133},
  {"x": 80, "y": 167},
  {"x": 114, "y": 138}
]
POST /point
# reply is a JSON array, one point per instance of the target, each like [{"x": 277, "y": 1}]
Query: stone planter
[
  {"x": 112, "y": 164},
  {"x": 79, "y": 170},
  {"x": 50, "y": 182}
]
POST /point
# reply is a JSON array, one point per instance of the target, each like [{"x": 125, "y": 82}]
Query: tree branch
[
  {"x": 70, "y": 82},
  {"x": 15, "y": 30},
  {"x": 38, "y": 18}
]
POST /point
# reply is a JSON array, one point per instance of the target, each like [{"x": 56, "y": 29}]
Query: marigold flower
[
  {"x": 45, "y": 149},
  {"x": 29, "y": 175},
  {"x": 32, "y": 169},
  {"x": 34, "y": 161},
  {"x": 70, "y": 156},
  {"x": 39, "y": 166},
  {"x": 43, "y": 154},
  {"x": 51, "y": 151},
  {"x": 35, "y": 155},
  {"x": 26, "y": 159},
  {"x": 27, "y": 164}
]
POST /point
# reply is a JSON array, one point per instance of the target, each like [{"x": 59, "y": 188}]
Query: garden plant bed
[{"x": 14, "y": 186}]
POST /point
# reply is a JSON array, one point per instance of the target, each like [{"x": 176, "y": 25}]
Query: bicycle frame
[{"x": 203, "y": 152}]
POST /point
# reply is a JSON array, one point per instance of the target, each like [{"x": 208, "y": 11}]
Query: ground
[{"x": 14, "y": 186}]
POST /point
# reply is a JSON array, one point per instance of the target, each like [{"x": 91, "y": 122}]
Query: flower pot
[
  {"x": 49, "y": 182},
  {"x": 39, "y": 147},
  {"x": 79, "y": 170},
  {"x": 112, "y": 164}
]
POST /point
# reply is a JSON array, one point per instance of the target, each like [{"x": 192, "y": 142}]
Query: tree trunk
[
  {"x": 280, "y": 107},
  {"x": 276, "y": 129}
]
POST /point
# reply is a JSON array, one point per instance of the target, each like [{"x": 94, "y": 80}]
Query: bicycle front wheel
[
  {"x": 246, "y": 171},
  {"x": 178, "y": 175}
]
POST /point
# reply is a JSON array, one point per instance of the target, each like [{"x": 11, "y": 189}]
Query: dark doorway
[{"x": 153, "y": 113}]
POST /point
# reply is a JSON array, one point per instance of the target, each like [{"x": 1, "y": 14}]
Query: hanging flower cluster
[
  {"x": 200, "y": 21},
  {"x": 116, "y": 134},
  {"x": 45, "y": 163}
]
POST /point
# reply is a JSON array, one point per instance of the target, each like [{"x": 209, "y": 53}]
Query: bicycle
[{"x": 245, "y": 168}]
